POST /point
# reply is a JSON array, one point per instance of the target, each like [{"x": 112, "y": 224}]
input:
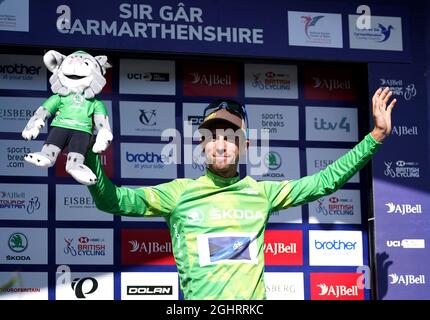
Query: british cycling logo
[
  {"x": 85, "y": 247},
  {"x": 335, "y": 207},
  {"x": 402, "y": 169},
  {"x": 399, "y": 89},
  {"x": 271, "y": 80},
  {"x": 403, "y": 208},
  {"x": 407, "y": 279}
]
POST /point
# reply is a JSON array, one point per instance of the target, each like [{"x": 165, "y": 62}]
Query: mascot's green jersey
[
  {"x": 74, "y": 111},
  {"x": 217, "y": 224}
]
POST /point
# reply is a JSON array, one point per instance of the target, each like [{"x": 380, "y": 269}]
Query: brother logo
[
  {"x": 149, "y": 157},
  {"x": 19, "y": 69},
  {"x": 149, "y": 290},
  {"x": 335, "y": 245}
]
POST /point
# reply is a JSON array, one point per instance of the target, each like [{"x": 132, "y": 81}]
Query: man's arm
[
  {"x": 154, "y": 201},
  {"x": 307, "y": 189}
]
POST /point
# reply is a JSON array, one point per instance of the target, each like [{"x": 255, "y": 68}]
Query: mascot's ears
[
  {"x": 102, "y": 61},
  {"x": 53, "y": 59}
]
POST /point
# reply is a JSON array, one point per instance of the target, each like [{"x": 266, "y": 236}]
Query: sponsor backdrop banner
[
  {"x": 312, "y": 114},
  {"x": 283, "y": 29},
  {"x": 401, "y": 188}
]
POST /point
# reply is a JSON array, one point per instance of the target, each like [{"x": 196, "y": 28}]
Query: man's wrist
[{"x": 378, "y": 135}]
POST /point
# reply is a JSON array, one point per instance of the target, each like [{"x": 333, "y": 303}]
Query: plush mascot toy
[{"x": 75, "y": 81}]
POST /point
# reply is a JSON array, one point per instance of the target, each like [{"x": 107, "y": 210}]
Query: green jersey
[
  {"x": 74, "y": 111},
  {"x": 217, "y": 224}
]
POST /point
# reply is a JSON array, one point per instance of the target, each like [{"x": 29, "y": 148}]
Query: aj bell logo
[
  {"x": 150, "y": 247},
  {"x": 407, "y": 279},
  {"x": 403, "y": 208},
  {"x": 78, "y": 286},
  {"x": 407, "y": 243},
  {"x": 211, "y": 79},
  {"x": 331, "y": 84},
  {"x": 337, "y": 291}
]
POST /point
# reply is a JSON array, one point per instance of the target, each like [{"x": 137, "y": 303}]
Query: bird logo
[
  {"x": 324, "y": 289},
  {"x": 310, "y": 22},
  {"x": 386, "y": 31}
]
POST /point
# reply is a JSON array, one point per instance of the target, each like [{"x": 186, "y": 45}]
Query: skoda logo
[
  {"x": 273, "y": 160},
  {"x": 18, "y": 242}
]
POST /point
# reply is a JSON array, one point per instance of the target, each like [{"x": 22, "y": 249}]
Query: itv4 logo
[{"x": 321, "y": 124}]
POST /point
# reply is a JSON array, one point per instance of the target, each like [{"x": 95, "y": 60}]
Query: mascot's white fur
[{"x": 75, "y": 82}]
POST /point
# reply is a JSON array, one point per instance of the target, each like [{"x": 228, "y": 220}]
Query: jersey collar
[{"x": 221, "y": 181}]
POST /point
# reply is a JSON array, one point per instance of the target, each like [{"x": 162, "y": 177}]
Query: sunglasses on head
[{"x": 230, "y": 105}]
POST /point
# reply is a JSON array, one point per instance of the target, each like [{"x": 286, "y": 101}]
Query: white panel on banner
[
  {"x": 147, "y": 77},
  {"x": 149, "y": 286},
  {"x": 23, "y": 285},
  {"x": 315, "y": 29},
  {"x": 84, "y": 286},
  {"x": 319, "y": 158},
  {"x": 331, "y": 124},
  {"x": 16, "y": 111},
  {"x": 23, "y": 201},
  {"x": 384, "y": 34},
  {"x": 74, "y": 202},
  {"x": 84, "y": 246},
  {"x": 141, "y": 219},
  {"x": 12, "y": 161},
  {"x": 271, "y": 81},
  {"x": 23, "y": 246},
  {"x": 14, "y": 15},
  {"x": 284, "y": 285},
  {"x": 341, "y": 207},
  {"x": 192, "y": 116},
  {"x": 22, "y": 72},
  {"x": 290, "y": 215},
  {"x": 277, "y": 164},
  {"x": 280, "y": 122},
  {"x": 335, "y": 248},
  {"x": 148, "y": 161},
  {"x": 146, "y": 118}
]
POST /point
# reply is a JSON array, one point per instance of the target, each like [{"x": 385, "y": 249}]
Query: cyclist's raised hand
[{"x": 382, "y": 113}]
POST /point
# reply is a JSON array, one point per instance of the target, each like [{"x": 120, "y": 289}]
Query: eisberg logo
[
  {"x": 403, "y": 208},
  {"x": 407, "y": 279},
  {"x": 337, "y": 291},
  {"x": 335, "y": 245}
]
